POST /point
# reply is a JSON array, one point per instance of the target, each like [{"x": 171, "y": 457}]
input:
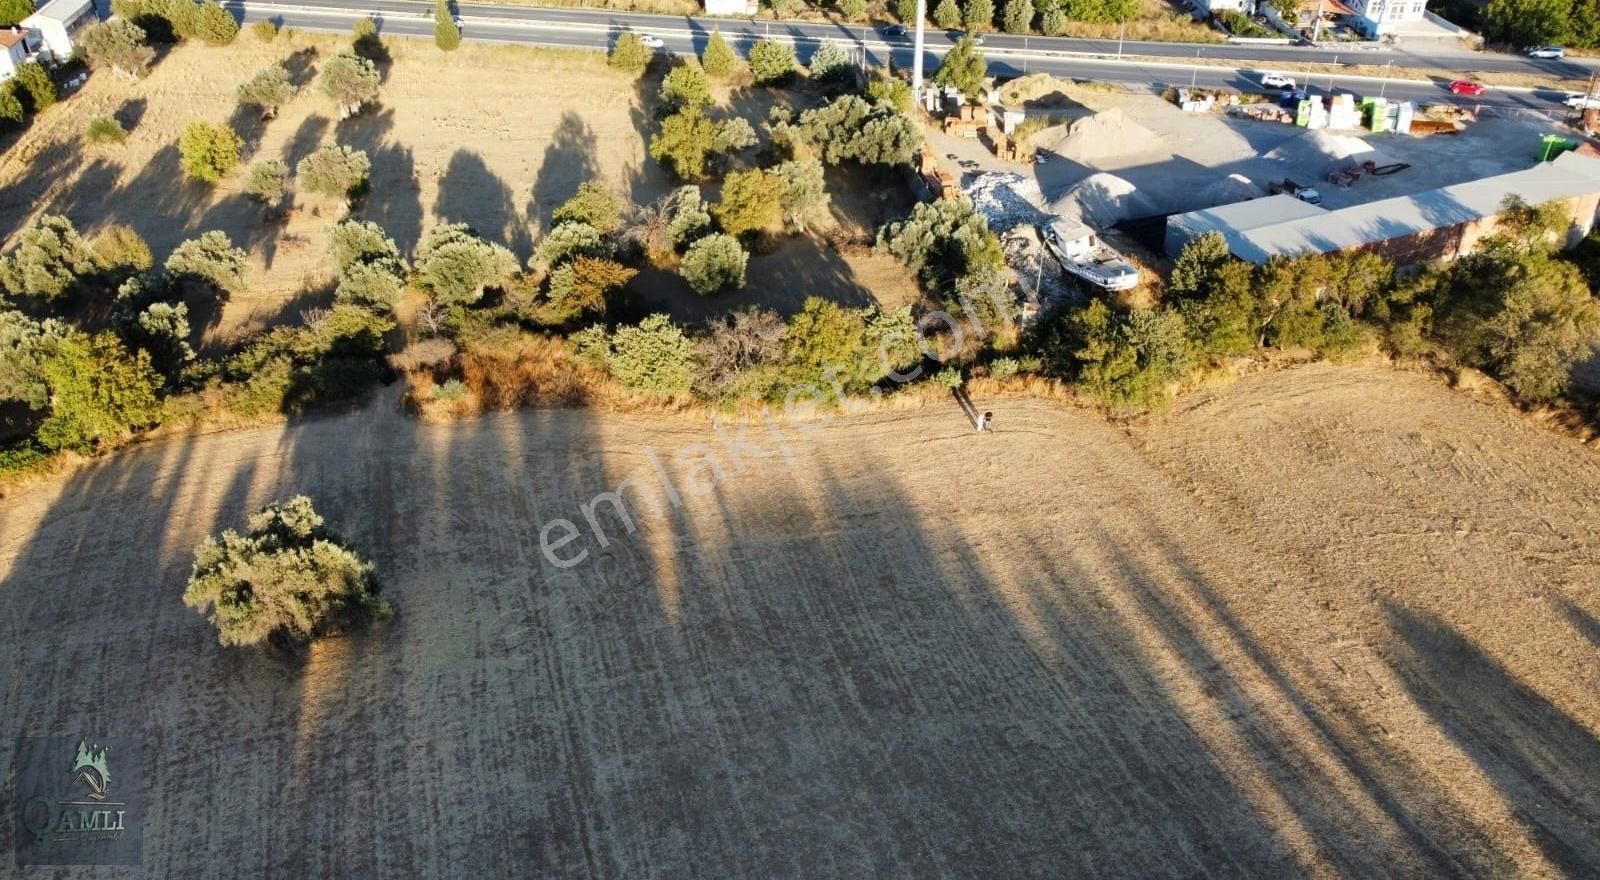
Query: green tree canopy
[
  {"x": 208, "y": 152},
  {"x": 288, "y": 577},
  {"x": 98, "y": 392},
  {"x": 963, "y": 69}
]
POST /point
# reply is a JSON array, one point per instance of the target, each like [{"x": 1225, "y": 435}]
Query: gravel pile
[
  {"x": 1103, "y": 200},
  {"x": 1006, "y": 200},
  {"x": 1317, "y": 153},
  {"x": 1109, "y": 134}
]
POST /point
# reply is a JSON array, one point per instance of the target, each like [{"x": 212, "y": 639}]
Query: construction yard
[
  {"x": 1126, "y": 156},
  {"x": 1329, "y": 622}
]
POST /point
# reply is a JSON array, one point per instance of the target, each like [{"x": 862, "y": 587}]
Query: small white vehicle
[
  {"x": 1580, "y": 101},
  {"x": 651, "y": 40},
  {"x": 1547, "y": 52},
  {"x": 1279, "y": 81}
]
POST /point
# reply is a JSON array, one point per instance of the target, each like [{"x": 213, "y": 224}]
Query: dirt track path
[{"x": 1329, "y": 622}]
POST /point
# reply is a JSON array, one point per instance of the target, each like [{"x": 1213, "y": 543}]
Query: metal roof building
[
  {"x": 1231, "y": 220},
  {"x": 1437, "y": 224}
]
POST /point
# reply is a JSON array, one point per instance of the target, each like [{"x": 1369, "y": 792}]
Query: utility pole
[
  {"x": 1316, "y": 26},
  {"x": 1122, "y": 27},
  {"x": 1195, "y": 73},
  {"x": 916, "y": 56},
  {"x": 1387, "y": 65}
]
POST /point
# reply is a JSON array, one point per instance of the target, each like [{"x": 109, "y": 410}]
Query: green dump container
[
  {"x": 1302, "y": 113},
  {"x": 1554, "y": 145}
]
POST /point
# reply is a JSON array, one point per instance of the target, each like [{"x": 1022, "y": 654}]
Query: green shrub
[
  {"x": 289, "y": 576},
  {"x": 214, "y": 25},
  {"x": 446, "y": 34},
  {"x": 773, "y": 63},
  {"x": 690, "y": 218},
  {"x": 36, "y": 83},
  {"x": 685, "y": 86},
  {"x": 593, "y": 204},
  {"x": 98, "y": 392},
  {"x": 266, "y": 30},
  {"x": 104, "y": 131},
  {"x": 855, "y": 129},
  {"x": 454, "y": 265},
  {"x": 208, "y": 152},
  {"x": 630, "y": 55},
  {"x": 210, "y": 257},
  {"x": 715, "y": 262},
  {"x": 120, "y": 247},
  {"x": 49, "y": 259},
  {"x": 718, "y": 60},
  {"x": 684, "y": 141},
  {"x": 943, "y": 241},
  {"x": 25, "y": 345},
  {"x": 653, "y": 357},
  {"x": 831, "y": 61},
  {"x": 568, "y": 240},
  {"x": 978, "y": 16},
  {"x": 751, "y": 201},
  {"x": 118, "y": 44},
  {"x": 947, "y": 15},
  {"x": 853, "y": 10}
]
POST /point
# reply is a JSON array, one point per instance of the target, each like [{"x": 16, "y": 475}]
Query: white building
[
  {"x": 17, "y": 46},
  {"x": 1216, "y": 7},
  {"x": 58, "y": 22},
  {"x": 1379, "y": 17},
  {"x": 741, "y": 8}
]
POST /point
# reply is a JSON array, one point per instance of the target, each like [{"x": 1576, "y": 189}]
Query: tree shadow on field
[
  {"x": 1584, "y": 622},
  {"x": 394, "y": 199},
  {"x": 159, "y": 201},
  {"x": 470, "y": 193},
  {"x": 20, "y": 200},
  {"x": 131, "y": 113},
  {"x": 569, "y": 160},
  {"x": 1542, "y": 760},
  {"x": 307, "y": 139},
  {"x": 301, "y": 66}
]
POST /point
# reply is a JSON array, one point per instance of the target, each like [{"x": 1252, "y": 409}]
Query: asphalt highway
[{"x": 1007, "y": 55}]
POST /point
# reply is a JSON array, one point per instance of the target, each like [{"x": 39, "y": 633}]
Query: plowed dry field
[{"x": 1335, "y": 622}]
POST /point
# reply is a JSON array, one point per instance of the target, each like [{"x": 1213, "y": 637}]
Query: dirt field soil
[{"x": 1330, "y": 622}]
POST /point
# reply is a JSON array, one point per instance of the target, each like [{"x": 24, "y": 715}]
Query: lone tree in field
[
  {"x": 289, "y": 578},
  {"x": 630, "y": 55},
  {"x": 718, "y": 60},
  {"x": 118, "y": 44},
  {"x": 208, "y": 152},
  {"x": 446, "y": 33},
  {"x": 454, "y": 265},
  {"x": 336, "y": 171},
  {"x": 267, "y": 91},
  {"x": 211, "y": 257},
  {"x": 963, "y": 69},
  {"x": 351, "y": 81}
]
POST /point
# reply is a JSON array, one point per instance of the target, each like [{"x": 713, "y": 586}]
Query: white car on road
[
  {"x": 1547, "y": 52},
  {"x": 1580, "y": 101},
  {"x": 1279, "y": 81},
  {"x": 651, "y": 40}
]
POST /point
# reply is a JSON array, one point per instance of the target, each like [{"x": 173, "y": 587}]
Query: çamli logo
[{"x": 69, "y": 809}]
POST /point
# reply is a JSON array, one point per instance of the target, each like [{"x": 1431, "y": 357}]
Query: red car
[{"x": 1466, "y": 87}]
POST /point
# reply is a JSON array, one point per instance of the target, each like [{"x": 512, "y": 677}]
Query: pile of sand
[
  {"x": 1230, "y": 189},
  {"x": 1104, "y": 200},
  {"x": 1105, "y": 135},
  {"x": 1317, "y": 153}
]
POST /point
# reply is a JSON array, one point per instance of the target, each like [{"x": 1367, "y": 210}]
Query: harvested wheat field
[{"x": 1328, "y": 622}]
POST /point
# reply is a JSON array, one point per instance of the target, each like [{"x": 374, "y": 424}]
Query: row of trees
[
  {"x": 1514, "y": 308},
  {"x": 1048, "y": 17}
]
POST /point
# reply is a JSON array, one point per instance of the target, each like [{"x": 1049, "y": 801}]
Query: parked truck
[{"x": 1306, "y": 194}]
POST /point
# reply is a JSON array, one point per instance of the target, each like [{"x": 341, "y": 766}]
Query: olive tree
[
  {"x": 335, "y": 171},
  {"x": 98, "y": 391},
  {"x": 268, "y": 90},
  {"x": 211, "y": 257},
  {"x": 25, "y": 345},
  {"x": 289, "y": 577},
  {"x": 49, "y": 258},
  {"x": 653, "y": 357},
  {"x": 351, "y": 81},
  {"x": 118, "y": 44},
  {"x": 454, "y": 265}
]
